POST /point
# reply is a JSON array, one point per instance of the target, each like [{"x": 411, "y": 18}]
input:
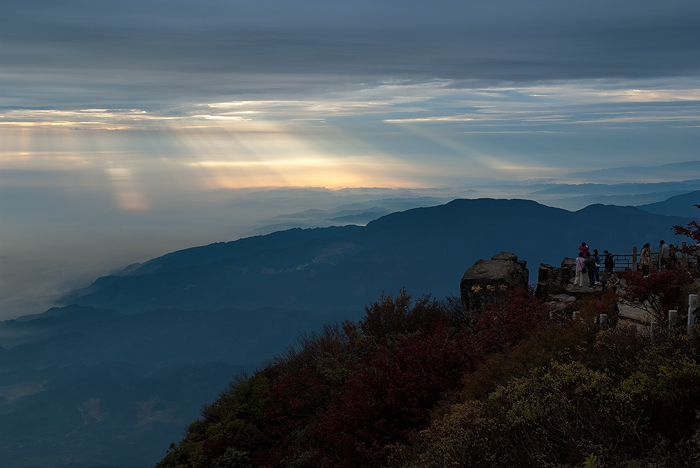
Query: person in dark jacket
[
  {"x": 664, "y": 254},
  {"x": 590, "y": 267},
  {"x": 646, "y": 259},
  {"x": 596, "y": 257},
  {"x": 608, "y": 262}
]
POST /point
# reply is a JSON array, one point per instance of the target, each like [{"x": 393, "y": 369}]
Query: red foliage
[
  {"x": 389, "y": 388},
  {"x": 213, "y": 448},
  {"x": 658, "y": 293},
  {"x": 294, "y": 396},
  {"x": 398, "y": 315},
  {"x": 293, "y": 402},
  {"x": 392, "y": 393},
  {"x": 504, "y": 325},
  {"x": 692, "y": 230}
]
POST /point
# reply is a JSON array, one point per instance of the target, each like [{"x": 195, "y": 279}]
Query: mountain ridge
[
  {"x": 423, "y": 249},
  {"x": 679, "y": 205}
]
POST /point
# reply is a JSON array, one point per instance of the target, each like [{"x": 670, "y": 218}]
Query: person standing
[
  {"x": 671, "y": 257},
  {"x": 664, "y": 254},
  {"x": 596, "y": 257},
  {"x": 580, "y": 264},
  {"x": 608, "y": 262},
  {"x": 590, "y": 268},
  {"x": 646, "y": 259}
]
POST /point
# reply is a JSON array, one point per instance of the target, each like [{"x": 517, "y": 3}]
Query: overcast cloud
[
  {"x": 125, "y": 126},
  {"x": 146, "y": 54}
]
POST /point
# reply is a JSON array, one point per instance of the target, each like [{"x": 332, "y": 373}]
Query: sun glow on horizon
[
  {"x": 386, "y": 134},
  {"x": 229, "y": 153}
]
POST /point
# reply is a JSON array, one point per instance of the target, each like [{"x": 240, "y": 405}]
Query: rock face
[
  {"x": 490, "y": 280},
  {"x": 553, "y": 280}
]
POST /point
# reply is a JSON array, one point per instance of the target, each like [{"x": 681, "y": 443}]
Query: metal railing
[{"x": 624, "y": 262}]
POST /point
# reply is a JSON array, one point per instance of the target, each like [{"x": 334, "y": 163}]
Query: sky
[{"x": 129, "y": 129}]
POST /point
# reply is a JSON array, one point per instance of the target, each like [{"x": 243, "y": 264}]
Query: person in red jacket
[{"x": 583, "y": 248}]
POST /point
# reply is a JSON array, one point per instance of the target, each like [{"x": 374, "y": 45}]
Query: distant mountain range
[
  {"x": 680, "y": 205},
  {"x": 425, "y": 250},
  {"x": 673, "y": 171},
  {"x": 113, "y": 376},
  {"x": 359, "y": 213},
  {"x": 576, "y": 196}
]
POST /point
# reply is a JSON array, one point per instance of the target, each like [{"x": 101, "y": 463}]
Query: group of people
[
  {"x": 667, "y": 260},
  {"x": 589, "y": 262}
]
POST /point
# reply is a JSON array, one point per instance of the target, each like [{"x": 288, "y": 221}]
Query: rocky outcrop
[
  {"x": 490, "y": 280},
  {"x": 554, "y": 280}
]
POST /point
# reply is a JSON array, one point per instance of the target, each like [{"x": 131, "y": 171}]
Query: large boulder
[{"x": 490, "y": 280}]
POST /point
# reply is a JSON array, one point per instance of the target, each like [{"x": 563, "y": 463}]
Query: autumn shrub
[
  {"x": 629, "y": 399},
  {"x": 233, "y": 458},
  {"x": 399, "y": 315},
  {"x": 664, "y": 382},
  {"x": 691, "y": 230},
  {"x": 549, "y": 418},
  {"x": 617, "y": 351},
  {"x": 342, "y": 396},
  {"x": 391, "y": 394},
  {"x": 330, "y": 347},
  {"x": 566, "y": 342},
  {"x": 508, "y": 322},
  {"x": 339, "y": 397},
  {"x": 658, "y": 293},
  {"x": 592, "y": 306},
  {"x": 306, "y": 378},
  {"x": 293, "y": 403},
  {"x": 233, "y": 419}
]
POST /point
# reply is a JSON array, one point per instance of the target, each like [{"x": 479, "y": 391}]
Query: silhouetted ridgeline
[
  {"x": 680, "y": 205},
  {"x": 342, "y": 268}
]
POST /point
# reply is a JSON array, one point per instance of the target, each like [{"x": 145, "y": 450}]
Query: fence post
[
  {"x": 692, "y": 307},
  {"x": 672, "y": 319},
  {"x": 634, "y": 258}
]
